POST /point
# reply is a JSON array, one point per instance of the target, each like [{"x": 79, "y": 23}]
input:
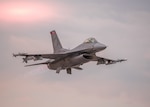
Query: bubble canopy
[{"x": 90, "y": 40}]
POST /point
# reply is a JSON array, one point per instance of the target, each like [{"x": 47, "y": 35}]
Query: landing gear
[
  {"x": 58, "y": 70},
  {"x": 68, "y": 71}
]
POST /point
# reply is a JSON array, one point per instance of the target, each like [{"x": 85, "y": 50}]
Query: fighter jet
[{"x": 64, "y": 59}]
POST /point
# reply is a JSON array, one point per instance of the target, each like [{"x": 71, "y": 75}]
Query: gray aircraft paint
[{"x": 68, "y": 59}]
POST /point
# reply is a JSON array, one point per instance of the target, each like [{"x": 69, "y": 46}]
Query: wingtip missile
[
  {"x": 19, "y": 54},
  {"x": 14, "y": 55},
  {"x": 120, "y": 60}
]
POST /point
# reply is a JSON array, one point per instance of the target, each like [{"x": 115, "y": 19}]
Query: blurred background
[{"x": 122, "y": 25}]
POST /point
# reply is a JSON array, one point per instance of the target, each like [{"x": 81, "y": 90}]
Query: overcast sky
[{"x": 122, "y": 25}]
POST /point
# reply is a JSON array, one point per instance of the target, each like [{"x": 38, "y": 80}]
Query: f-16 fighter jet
[{"x": 64, "y": 59}]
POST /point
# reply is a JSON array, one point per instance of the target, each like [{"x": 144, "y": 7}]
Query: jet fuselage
[{"x": 88, "y": 53}]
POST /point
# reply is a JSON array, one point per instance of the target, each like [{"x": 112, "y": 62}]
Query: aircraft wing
[
  {"x": 37, "y": 56},
  {"x": 101, "y": 60},
  {"x": 49, "y": 56}
]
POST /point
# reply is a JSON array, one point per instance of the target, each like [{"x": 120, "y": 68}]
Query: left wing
[{"x": 106, "y": 61}]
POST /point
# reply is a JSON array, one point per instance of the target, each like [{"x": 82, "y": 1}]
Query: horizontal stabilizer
[
  {"x": 38, "y": 63},
  {"x": 78, "y": 68}
]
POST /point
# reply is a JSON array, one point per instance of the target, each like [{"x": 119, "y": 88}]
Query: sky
[{"x": 122, "y": 25}]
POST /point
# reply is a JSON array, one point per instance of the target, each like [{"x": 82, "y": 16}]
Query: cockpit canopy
[{"x": 90, "y": 40}]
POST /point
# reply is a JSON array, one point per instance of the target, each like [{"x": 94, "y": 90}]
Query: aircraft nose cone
[
  {"x": 104, "y": 46},
  {"x": 99, "y": 46}
]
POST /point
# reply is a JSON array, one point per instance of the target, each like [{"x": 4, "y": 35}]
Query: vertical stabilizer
[{"x": 56, "y": 43}]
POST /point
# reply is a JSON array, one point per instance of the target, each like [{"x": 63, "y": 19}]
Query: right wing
[
  {"x": 55, "y": 56},
  {"x": 38, "y": 56},
  {"x": 48, "y": 56}
]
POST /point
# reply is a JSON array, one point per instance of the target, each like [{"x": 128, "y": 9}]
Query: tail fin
[{"x": 56, "y": 43}]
